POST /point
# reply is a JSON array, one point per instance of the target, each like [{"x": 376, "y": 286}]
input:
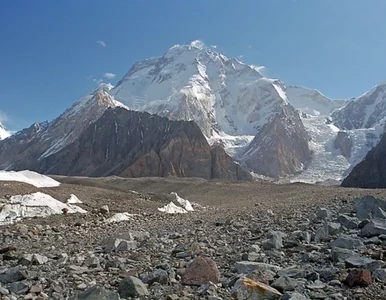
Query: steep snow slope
[
  {"x": 3, "y": 133},
  {"x": 310, "y": 101},
  {"x": 192, "y": 82},
  {"x": 367, "y": 111},
  {"x": 328, "y": 162}
]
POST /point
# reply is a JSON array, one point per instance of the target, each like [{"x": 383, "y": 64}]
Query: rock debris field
[{"x": 237, "y": 240}]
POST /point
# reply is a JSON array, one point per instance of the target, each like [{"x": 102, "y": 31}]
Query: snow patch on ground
[
  {"x": 119, "y": 217},
  {"x": 30, "y": 177},
  {"x": 73, "y": 199},
  {"x": 184, "y": 206},
  {"x": 33, "y": 205},
  {"x": 183, "y": 202}
]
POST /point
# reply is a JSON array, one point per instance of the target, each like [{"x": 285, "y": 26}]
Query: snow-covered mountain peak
[
  {"x": 3, "y": 132},
  {"x": 311, "y": 101},
  {"x": 366, "y": 111},
  {"x": 194, "y": 82}
]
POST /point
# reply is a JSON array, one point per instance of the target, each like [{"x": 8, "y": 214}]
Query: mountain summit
[{"x": 3, "y": 133}]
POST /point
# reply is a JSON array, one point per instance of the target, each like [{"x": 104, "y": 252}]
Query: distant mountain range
[{"x": 196, "y": 112}]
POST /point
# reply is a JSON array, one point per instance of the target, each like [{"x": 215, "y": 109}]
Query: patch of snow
[
  {"x": 30, "y": 177},
  {"x": 34, "y": 205},
  {"x": 3, "y": 133},
  {"x": 171, "y": 208},
  {"x": 183, "y": 202},
  {"x": 73, "y": 200},
  {"x": 184, "y": 206},
  {"x": 119, "y": 217}
]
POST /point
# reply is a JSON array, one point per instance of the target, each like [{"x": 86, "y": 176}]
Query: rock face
[
  {"x": 371, "y": 171},
  {"x": 133, "y": 144},
  {"x": 344, "y": 143},
  {"x": 281, "y": 147}
]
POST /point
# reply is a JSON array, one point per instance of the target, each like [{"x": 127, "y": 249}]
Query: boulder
[
  {"x": 247, "y": 289},
  {"x": 132, "y": 287},
  {"x": 202, "y": 270}
]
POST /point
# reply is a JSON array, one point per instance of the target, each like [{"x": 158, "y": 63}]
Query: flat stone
[
  {"x": 132, "y": 287},
  {"x": 97, "y": 293},
  {"x": 247, "y": 289},
  {"x": 292, "y": 272},
  {"x": 369, "y": 207},
  {"x": 158, "y": 275},
  {"x": 341, "y": 254},
  {"x": 294, "y": 296},
  {"x": 200, "y": 271},
  {"x": 13, "y": 275},
  {"x": 348, "y": 222},
  {"x": 20, "y": 287},
  {"x": 358, "y": 262},
  {"x": 347, "y": 243},
  {"x": 375, "y": 227},
  {"x": 283, "y": 284}
]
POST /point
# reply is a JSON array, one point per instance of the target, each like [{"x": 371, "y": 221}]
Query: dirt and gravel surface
[{"x": 273, "y": 234}]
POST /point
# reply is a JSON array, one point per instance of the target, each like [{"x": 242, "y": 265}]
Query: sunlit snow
[
  {"x": 119, "y": 217},
  {"x": 29, "y": 177},
  {"x": 183, "y": 207},
  {"x": 33, "y": 205}
]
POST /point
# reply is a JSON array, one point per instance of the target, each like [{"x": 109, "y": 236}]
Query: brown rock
[
  {"x": 65, "y": 211},
  {"x": 359, "y": 277},
  {"x": 7, "y": 249},
  {"x": 200, "y": 271}
]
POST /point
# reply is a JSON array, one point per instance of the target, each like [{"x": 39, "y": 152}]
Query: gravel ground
[{"x": 231, "y": 224}]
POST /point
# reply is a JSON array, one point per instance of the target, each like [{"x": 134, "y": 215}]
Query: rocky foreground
[{"x": 275, "y": 246}]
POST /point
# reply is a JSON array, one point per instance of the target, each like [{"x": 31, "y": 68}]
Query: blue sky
[{"x": 49, "y": 54}]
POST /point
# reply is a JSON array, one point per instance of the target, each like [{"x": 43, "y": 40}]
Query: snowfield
[{"x": 30, "y": 177}]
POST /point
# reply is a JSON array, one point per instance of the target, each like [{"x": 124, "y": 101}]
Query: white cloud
[
  {"x": 109, "y": 75},
  {"x": 213, "y": 46},
  {"x": 240, "y": 56},
  {"x": 259, "y": 69},
  {"x": 250, "y": 47},
  {"x": 102, "y": 43},
  {"x": 3, "y": 117}
]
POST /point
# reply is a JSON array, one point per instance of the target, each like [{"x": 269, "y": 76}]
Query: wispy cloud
[
  {"x": 3, "y": 117},
  {"x": 109, "y": 75},
  {"x": 97, "y": 81},
  {"x": 250, "y": 46},
  {"x": 240, "y": 56},
  {"x": 259, "y": 69},
  {"x": 101, "y": 43},
  {"x": 213, "y": 46}
]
